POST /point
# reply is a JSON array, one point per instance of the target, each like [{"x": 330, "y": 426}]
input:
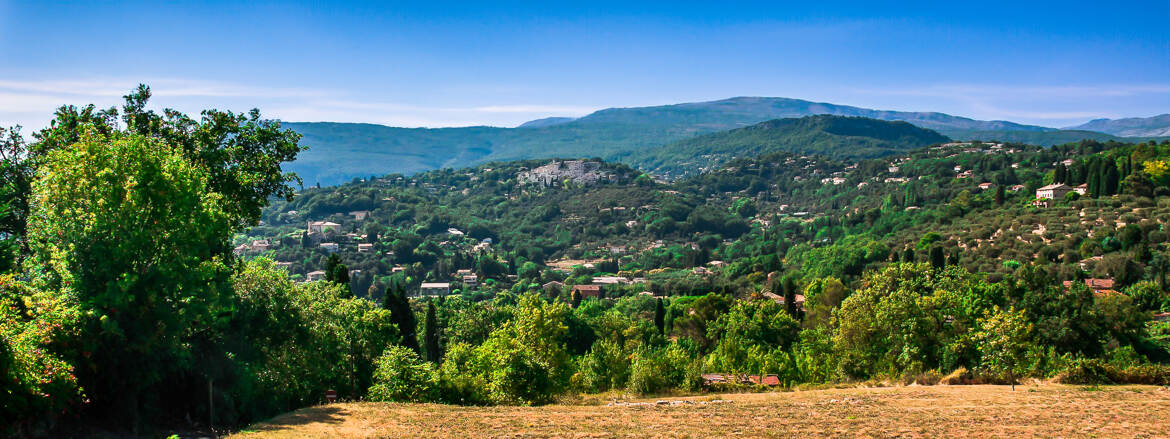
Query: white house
[
  {"x": 322, "y": 226},
  {"x": 434, "y": 289},
  {"x": 1053, "y": 191}
]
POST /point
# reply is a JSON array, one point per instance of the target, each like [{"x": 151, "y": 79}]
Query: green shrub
[
  {"x": 606, "y": 366},
  {"x": 403, "y": 376}
]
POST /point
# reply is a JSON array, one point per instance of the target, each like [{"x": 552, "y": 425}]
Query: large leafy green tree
[
  {"x": 125, "y": 225},
  {"x": 1002, "y": 340},
  {"x": 15, "y": 179},
  {"x": 907, "y": 322},
  {"x": 241, "y": 154}
]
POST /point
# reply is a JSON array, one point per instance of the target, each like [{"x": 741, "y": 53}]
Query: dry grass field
[{"x": 1046, "y": 410}]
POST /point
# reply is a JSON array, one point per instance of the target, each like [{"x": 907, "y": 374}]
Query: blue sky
[{"x": 455, "y": 64}]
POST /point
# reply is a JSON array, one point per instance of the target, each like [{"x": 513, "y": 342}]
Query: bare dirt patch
[{"x": 913, "y": 411}]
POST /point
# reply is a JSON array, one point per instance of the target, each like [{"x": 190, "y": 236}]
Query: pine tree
[{"x": 431, "y": 337}]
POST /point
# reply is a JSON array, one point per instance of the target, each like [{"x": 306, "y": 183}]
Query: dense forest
[{"x": 160, "y": 272}]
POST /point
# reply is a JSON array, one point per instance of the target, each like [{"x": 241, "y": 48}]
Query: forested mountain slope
[
  {"x": 838, "y": 137},
  {"x": 340, "y": 152}
]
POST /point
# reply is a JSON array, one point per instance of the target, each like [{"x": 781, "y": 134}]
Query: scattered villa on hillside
[
  {"x": 432, "y": 289},
  {"x": 321, "y": 226},
  {"x": 1053, "y": 191}
]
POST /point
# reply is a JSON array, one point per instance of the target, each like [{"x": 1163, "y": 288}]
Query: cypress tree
[
  {"x": 937, "y": 258},
  {"x": 431, "y": 338},
  {"x": 790, "y": 297},
  {"x": 999, "y": 195},
  {"x": 1094, "y": 177},
  {"x": 660, "y": 317},
  {"x": 908, "y": 256},
  {"x": 953, "y": 258},
  {"x": 669, "y": 326},
  {"x": 398, "y": 304},
  {"x": 1111, "y": 181}
]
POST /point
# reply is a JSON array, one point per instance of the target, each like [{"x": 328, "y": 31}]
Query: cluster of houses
[
  {"x": 256, "y": 246},
  {"x": 579, "y": 171}
]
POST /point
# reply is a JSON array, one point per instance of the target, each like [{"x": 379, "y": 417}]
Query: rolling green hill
[{"x": 839, "y": 137}]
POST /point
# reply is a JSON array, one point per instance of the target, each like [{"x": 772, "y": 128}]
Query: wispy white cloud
[
  {"x": 968, "y": 91},
  {"x": 1051, "y": 105},
  {"x": 31, "y": 102},
  {"x": 545, "y": 109},
  {"x": 111, "y": 87}
]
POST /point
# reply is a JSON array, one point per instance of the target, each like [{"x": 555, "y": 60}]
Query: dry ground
[{"x": 1046, "y": 410}]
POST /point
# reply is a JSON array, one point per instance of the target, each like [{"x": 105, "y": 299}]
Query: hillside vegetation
[
  {"x": 837, "y": 137},
  {"x": 339, "y": 152}
]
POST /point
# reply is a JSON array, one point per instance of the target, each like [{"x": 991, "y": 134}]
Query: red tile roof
[
  {"x": 588, "y": 290},
  {"x": 1098, "y": 285}
]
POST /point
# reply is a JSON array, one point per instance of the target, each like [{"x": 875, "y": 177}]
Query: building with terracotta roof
[
  {"x": 588, "y": 290},
  {"x": 1099, "y": 286}
]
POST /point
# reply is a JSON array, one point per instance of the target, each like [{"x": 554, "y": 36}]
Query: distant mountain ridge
[
  {"x": 548, "y": 121},
  {"x": 1155, "y": 126},
  {"x": 837, "y": 137},
  {"x": 342, "y": 151}
]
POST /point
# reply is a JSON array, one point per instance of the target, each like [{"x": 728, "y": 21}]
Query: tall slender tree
[
  {"x": 398, "y": 304},
  {"x": 1111, "y": 179},
  {"x": 937, "y": 258},
  {"x": 660, "y": 316},
  {"x": 789, "y": 287},
  {"x": 431, "y": 337}
]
